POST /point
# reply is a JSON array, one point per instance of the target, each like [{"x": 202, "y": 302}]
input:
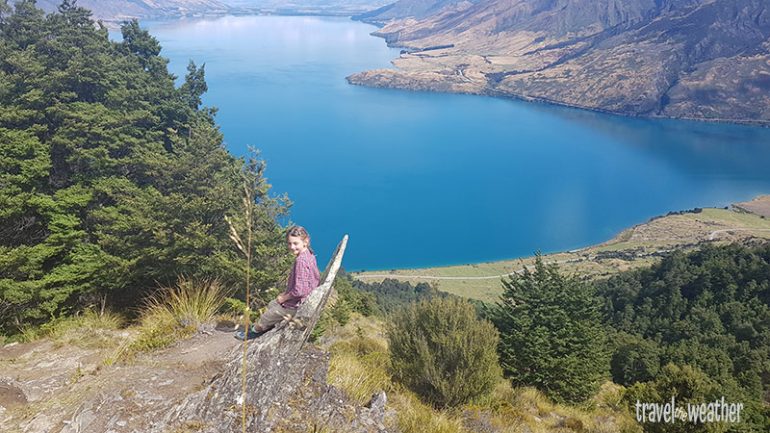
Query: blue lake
[{"x": 425, "y": 179}]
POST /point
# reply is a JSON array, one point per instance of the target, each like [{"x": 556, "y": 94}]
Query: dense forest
[
  {"x": 694, "y": 327},
  {"x": 113, "y": 180},
  {"x": 709, "y": 310}
]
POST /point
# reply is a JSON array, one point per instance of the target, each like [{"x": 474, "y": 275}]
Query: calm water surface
[{"x": 423, "y": 179}]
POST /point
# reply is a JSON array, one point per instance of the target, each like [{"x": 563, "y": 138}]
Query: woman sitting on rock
[{"x": 304, "y": 277}]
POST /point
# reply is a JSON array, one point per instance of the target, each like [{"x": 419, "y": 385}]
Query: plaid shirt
[{"x": 304, "y": 277}]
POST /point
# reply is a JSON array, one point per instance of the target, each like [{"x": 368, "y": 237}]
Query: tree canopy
[{"x": 709, "y": 311}]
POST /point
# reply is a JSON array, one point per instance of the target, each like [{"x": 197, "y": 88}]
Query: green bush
[
  {"x": 551, "y": 334},
  {"x": 686, "y": 384},
  {"x": 635, "y": 359},
  {"x": 443, "y": 352}
]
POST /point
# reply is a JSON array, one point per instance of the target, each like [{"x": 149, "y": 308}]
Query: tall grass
[
  {"x": 360, "y": 368},
  {"x": 190, "y": 303},
  {"x": 174, "y": 313}
]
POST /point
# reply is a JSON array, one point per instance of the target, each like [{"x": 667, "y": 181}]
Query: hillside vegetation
[{"x": 113, "y": 182}]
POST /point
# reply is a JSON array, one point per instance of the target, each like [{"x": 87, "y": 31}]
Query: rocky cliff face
[{"x": 702, "y": 59}]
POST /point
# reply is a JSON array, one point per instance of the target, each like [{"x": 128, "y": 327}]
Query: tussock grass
[
  {"x": 89, "y": 330},
  {"x": 415, "y": 416},
  {"x": 174, "y": 313},
  {"x": 189, "y": 303},
  {"x": 359, "y": 359},
  {"x": 360, "y": 375}
]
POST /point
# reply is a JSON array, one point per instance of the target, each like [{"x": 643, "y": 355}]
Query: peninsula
[{"x": 694, "y": 59}]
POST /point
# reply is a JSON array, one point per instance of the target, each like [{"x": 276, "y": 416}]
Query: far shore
[{"x": 640, "y": 245}]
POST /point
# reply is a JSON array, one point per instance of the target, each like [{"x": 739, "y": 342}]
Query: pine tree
[{"x": 551, "y": 336}]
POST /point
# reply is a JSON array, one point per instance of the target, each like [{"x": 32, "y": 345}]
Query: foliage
[
  {"x": 709, "y": 311},
  {"x": 359, "y": 365},
  {"x": 685, "y": 384},
  {"x": 442, "y": 351},
  {"x": 112, "y": 181},
  {"x": 391, "y": 294},
  {"x": 346, "y": 300},
  {"x": 551, "y": 335},
  {"x": 634, "y": 359}
]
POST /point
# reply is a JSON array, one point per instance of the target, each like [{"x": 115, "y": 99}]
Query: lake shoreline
[
  {"x": 369, "y": 79},
  {"x": 637, "y": 246}
]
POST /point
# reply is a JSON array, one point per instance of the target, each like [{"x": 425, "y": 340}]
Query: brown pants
[{"x": 275, "y": 313}]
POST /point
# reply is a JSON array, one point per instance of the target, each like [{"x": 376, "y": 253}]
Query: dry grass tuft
[
  {"x": 189, "y": 303},
  {"x": 415, "y": 416},
  {"x": 172, "y": 314}
]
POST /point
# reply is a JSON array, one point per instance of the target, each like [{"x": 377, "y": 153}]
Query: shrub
[
  {"x": 686, "y": 384},
  {"x": 443, "y": 352},
  {"x": 634, "y": 360}
]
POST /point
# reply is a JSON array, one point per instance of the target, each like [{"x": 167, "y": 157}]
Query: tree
[
  {"x": 442, "y": 351},
  {"x": 194, "y": 85},
  {"x": 551, "y": 335}
]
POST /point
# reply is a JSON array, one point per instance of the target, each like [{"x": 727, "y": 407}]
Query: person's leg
[{"x": 274, "y": 314}]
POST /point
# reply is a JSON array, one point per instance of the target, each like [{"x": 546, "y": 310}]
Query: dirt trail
[{"x": 52, "y": 388}]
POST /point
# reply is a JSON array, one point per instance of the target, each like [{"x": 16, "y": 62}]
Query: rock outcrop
[{"x": 196, "y": 385}]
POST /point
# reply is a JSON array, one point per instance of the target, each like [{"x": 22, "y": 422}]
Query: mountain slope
[{"x": 704, "y": 59}]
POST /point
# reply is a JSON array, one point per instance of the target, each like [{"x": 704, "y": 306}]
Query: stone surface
[{"x": 280, "y": 386}]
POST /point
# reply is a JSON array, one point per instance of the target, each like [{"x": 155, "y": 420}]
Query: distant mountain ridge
[
  {"x": 119, "y": 10},
  {"x": 702, "y": 59}
]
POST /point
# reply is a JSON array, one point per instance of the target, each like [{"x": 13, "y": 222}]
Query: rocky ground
[
  {"x": 83, "y": 380},
  {"x": 47, "y": 386},
  {"x": 55, "y": 386}
]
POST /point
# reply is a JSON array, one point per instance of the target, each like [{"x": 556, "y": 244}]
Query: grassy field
[{"x": 637, "y": 246}]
